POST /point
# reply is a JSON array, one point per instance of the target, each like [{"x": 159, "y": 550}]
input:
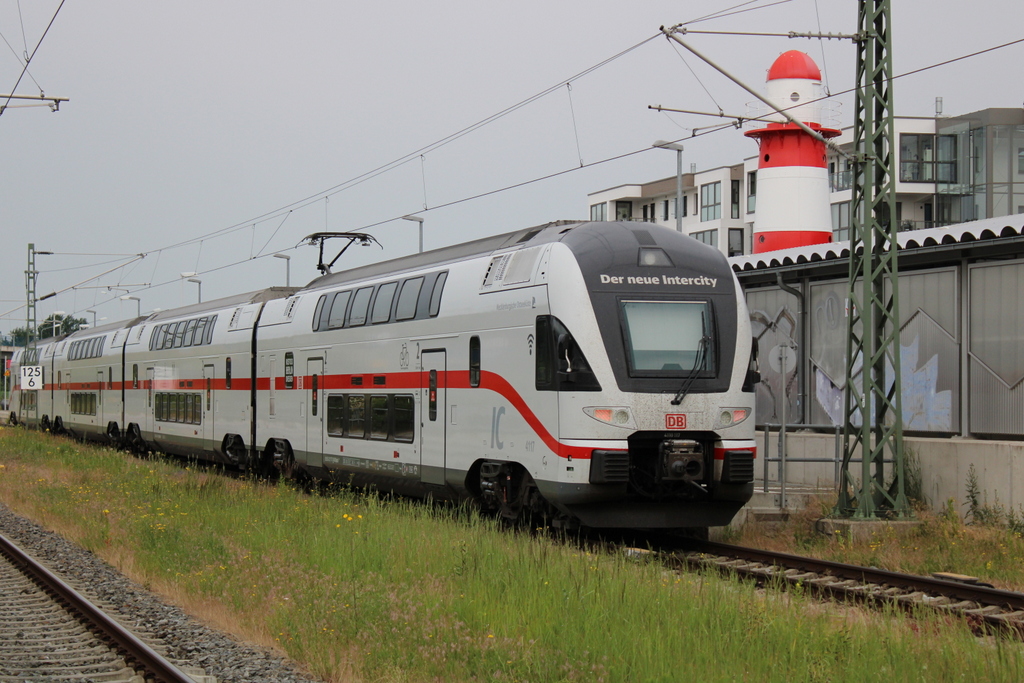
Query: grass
[
  {"x": 364, "y": 588},
  {"x": 943, "y": 542}
]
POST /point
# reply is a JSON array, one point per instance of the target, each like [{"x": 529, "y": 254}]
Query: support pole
[{"x": 871, "y": 397}]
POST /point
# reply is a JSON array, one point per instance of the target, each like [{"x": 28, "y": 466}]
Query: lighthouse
[{"x": 792, "y": 171}]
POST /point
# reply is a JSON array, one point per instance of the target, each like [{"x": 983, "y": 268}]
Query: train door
[
  {"x": 101, "y": 378},
  {"x": 315, "y": 414},
  {"x": 433, "y": 421},
  {"x": 208, "y": 414},
  {"x": 148, "y": 425}
]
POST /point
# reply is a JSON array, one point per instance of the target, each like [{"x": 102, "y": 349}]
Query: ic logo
[{"x": 675, "y": 421}]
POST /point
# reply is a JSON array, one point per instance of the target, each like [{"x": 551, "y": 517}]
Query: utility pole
[
  {"x": 30, "y": 296},
  {"x": 873, "y": 411}
]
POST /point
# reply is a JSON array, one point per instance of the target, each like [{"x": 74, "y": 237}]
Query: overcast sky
[{"x": 188, "y": 118}]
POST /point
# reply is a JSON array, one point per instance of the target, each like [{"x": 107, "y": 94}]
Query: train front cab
[{"x": 654, "y": 381}]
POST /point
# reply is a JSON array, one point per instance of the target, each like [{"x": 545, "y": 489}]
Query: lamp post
[
  {"x": 287, "y": 268},
  {"x": 138, "y": 303},
  {"x": 417, "y": 219},
  {"x": 200, "y": 283},
  {"x": 664, "y": 144},
  {"x": 55, "y": 323}
]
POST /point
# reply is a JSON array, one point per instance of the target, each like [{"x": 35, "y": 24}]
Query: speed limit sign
[{"x": 31, "y": 377}]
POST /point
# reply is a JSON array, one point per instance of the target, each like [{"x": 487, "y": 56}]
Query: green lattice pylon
[{"x": 873, "y": 426}]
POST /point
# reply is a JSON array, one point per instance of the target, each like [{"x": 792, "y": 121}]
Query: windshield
[{"x": 664, "y": 337}]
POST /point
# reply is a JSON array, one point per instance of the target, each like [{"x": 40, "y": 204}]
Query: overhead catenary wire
[
  {"x": 696, "y": 133},
  {"x": 28, "y": 58}
]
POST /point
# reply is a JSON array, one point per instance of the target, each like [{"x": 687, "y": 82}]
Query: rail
[{"x": 132, "y": 649}]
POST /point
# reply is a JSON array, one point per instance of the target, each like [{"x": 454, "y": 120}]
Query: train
[{"x": 600, "y": 374}]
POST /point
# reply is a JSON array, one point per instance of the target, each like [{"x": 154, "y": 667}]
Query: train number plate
[{"x": 675, "y": 421}]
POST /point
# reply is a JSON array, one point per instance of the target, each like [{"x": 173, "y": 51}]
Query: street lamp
[
  {"x": 287, "y": 268},
  {"x": 55, "y": 323},
  {"x": 418, "y": 219},
  {"x": 138, "y": 303},
  {"x": 664, "y": 144},
  {"x": 200, "y": 283}
]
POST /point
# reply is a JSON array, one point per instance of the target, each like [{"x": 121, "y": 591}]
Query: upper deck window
[{"x": 671, "y": 338}]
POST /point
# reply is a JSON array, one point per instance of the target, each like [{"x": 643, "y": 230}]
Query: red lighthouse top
[{"x": 794, "y": 64}]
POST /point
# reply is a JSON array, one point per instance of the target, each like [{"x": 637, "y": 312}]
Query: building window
[
  {"x": 664, "y": 213},
  {"x": 623, "y": 210},
  {"x": 711, "y": 201},
  {"x": 751, "y": 191},
  {"x": 645, "y": 218},
  {"x": 707, "y": 237},
  {"x": 1020, "y": 160},
  {"x": 735, "y": 241},
  {"x": 917, "y": 158},
  {"x": 599, "y": 212},
  {"x": 734, "y": 188},
  {"x": 841, "y": 221}
]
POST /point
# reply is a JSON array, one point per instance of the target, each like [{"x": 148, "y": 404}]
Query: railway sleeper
[
  {"x": 1010, "y": 617},
  {"x": 988, "y": 610},
  {"x": 961, "y": 606}
]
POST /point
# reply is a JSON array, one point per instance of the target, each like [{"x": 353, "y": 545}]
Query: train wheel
[
  {"x": 284, "y": 459},
  {"x": 509, "y": 491},
  {"x": 133, "y": 439},
  {"x": 114, "y": 434}
]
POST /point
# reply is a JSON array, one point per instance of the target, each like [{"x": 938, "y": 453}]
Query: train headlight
[
  {"x": 617, "y": 416},
  {"x": 733, "y": 416}
]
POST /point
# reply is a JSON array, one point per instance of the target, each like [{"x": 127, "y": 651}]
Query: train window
[
  {"x": 289, "y": 370},
  {"x": 135, "y": 376},
  {"x": 169, "y": 335},
  {"x": 110, "y": 378},
  {"x": 58, "y": 379},
  {"x": 404, "y": 417},
  {"x": 432, "y": 398},
  {"x": 382, "y": 304},
  {"x": 336, "y": 414},
  {"x": 172, "y": 407},
  {"x": 560, "y": 363},
  {"x": 355, "y": 416},
  {"x": 183, "y": 414},
  {"x": 155, "y": 337},
  {"x": 315, "y": 400},
  {"x": 360, "y": 303},
  {"x": 227, "y": 373},
  {"x": 200, "y": 332},
  {"x": 671, "y": 338},
  {"x": 209, "y": 329},
  {"x": 379, "y": 416},
  {"x": 190, "y": 330},
  {"x": 316, "y": 313},
  {"x": 408, "y": 298},
  {"x": 337, "y": 318},
  {"x": 474, "y": 361},
  {"x": 435, "y": 295},
  {"x": 188, "y": 408},
  {"x": 179, "y": 334}
]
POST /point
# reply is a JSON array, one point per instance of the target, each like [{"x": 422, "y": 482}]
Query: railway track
[
  {"x": 48, "y": 631},
  {"x": 985, "y": 608}
]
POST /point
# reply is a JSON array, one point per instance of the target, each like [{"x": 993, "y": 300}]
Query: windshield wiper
[{"x": 698, "y": 361}]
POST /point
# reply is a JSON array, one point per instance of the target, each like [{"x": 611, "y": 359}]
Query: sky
[{"x": 208, "y": 136}]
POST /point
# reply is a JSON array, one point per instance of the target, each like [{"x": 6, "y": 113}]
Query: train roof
[
  {"x": 258, "y": 296},
  {"x": 549, "y": 232},
  {"x": 581, "y": 236}
]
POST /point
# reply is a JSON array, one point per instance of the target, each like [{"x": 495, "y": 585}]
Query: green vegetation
[{"x": 369, "y": 589}]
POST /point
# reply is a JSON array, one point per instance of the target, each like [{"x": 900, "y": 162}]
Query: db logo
[{"x": 675, "y": 421}]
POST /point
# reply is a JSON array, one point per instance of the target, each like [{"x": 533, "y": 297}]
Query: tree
[
  {"x": 18, "y": 335},
  {"x": 56, "y": 325}
]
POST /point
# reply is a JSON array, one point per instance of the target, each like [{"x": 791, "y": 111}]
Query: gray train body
[{"x": 599, "y": 373}]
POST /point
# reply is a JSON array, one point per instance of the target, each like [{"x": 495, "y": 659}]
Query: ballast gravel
[{"x": 184, "y": 640}]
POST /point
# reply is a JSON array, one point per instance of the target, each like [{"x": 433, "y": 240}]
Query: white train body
[{"x": 595, "y": 371}]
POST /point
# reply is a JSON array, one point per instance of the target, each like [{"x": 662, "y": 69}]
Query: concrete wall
[{"x": 944, "y": 465}]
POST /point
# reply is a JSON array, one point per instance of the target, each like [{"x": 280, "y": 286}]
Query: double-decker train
[{"x": 596, "y": 373}]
